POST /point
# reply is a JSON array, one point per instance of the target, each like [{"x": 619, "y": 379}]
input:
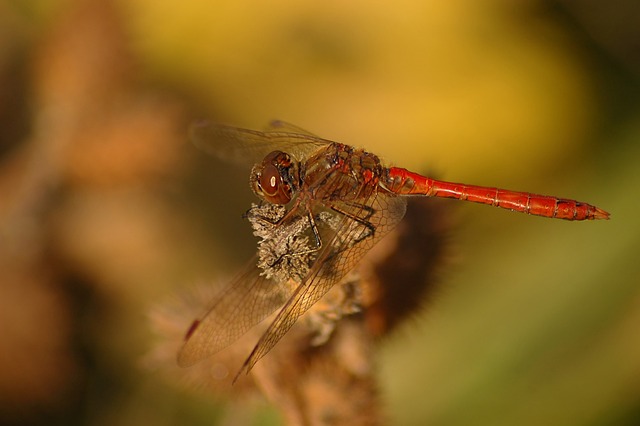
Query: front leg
[{"x": 284, "y": 250}]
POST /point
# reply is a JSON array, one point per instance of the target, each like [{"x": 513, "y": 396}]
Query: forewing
[
  {"x": 283, "y": 126},
  {"x": 248, "y": 299},
  {"x": 349, "y": 241},
  {"x": 246, "y": 146}
]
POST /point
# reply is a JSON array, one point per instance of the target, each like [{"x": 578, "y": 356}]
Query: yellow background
[{"x": 535, "y": 322}]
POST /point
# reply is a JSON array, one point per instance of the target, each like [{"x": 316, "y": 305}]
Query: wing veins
[
  {"x": 240, "y": 145},
  {"x": 306, "y": 294},
  {"x": 245, "y": 302}
]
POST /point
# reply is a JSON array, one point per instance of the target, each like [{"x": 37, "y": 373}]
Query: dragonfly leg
[
  {"x": 316, "y": 236},
  {"x": 370, "y": 211}
]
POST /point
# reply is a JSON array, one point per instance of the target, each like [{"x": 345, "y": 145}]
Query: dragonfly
[{"x": 308, "y": 178}]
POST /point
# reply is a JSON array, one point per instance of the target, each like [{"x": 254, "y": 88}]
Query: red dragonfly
[{"x": 310, "y": 175}]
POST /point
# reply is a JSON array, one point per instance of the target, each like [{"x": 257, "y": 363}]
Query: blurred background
[{"x": 107, "y": 211}]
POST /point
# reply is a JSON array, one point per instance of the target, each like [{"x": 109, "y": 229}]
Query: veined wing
[
  {"x": 283, "y": 126},
  {"x": 246, "y": 146},
  {"x": 343, "y": 247},
  {"x": 247, "y": 300}
]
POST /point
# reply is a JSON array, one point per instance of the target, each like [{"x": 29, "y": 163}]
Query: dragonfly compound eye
[{"x": 272, "y": 186}]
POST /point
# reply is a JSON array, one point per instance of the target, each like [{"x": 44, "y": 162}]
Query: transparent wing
[
  {"x": 283, "y": 126},
  {"x": 248, "y": 299},
  {"x": 363, "y": 224},
  {"x": 246, "y": 146}
]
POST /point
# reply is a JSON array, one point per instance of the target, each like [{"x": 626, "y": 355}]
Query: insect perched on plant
[{"x": 346, "y": 200}]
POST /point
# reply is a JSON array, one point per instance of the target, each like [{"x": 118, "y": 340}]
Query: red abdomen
[{"x": 404, "y": 182}]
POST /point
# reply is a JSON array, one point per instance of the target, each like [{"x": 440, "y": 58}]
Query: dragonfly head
[{"x": 273, "y": 180}]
